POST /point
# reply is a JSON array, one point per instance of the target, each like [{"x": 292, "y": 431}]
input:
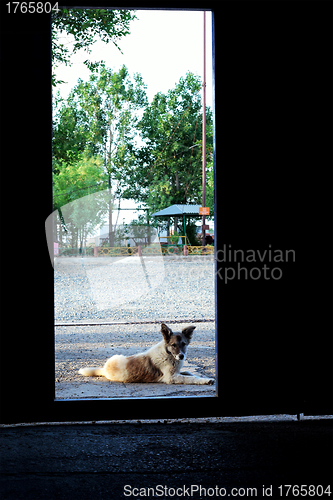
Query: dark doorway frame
[{"x": 266, "y": 363}]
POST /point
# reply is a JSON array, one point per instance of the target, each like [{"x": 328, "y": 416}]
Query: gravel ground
[
  {"x": 116, "y": 289},
  {"x": 129, "y": 289}
]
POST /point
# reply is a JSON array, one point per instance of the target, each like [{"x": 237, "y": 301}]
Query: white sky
[{"x": 162, "y": 45}]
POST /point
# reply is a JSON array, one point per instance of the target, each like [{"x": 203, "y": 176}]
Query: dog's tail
[{"x": 92, "y": 372}]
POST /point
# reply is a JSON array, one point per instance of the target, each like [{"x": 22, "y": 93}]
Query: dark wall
[{"x": 274, "y": 191}]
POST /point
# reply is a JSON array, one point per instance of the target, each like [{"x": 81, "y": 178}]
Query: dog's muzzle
[{"x": 179, "y": 356}]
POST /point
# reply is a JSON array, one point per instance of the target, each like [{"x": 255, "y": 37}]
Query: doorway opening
[{"x": 128, "y": 143}]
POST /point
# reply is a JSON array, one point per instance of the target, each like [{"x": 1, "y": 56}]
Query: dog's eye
[{"x": 173, "y": 345}]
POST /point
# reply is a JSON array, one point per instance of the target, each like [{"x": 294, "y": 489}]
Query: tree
[
  {"x": 86, "y": 26},
  {"x": 70, "y": 132},
  {"x": 168, "y": 169},
  {"x": 79, "y": 197},
  {"x": 100, "y": 118}
]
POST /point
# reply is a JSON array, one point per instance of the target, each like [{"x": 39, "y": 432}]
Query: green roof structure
[{"x": 178, "y": 211}]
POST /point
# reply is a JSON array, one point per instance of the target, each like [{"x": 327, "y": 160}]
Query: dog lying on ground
[{"x": 160, "y": 363}]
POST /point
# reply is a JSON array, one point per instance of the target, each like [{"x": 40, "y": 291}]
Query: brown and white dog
[{"x": 160, "y": 363}]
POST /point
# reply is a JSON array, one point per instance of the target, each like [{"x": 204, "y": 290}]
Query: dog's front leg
[{"x": 191, "y": 379}]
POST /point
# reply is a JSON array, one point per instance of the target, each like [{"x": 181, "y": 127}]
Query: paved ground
[
  {"x": 174, "y": 460},
  {"x": 79, "y": 346}
]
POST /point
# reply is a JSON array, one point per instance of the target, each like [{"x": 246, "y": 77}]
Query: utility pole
[{"x": 204, "y": 131}]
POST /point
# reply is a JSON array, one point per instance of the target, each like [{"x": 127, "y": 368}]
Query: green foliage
[
  {"x": 86, "y": 26},
  {"x": 100, "y": 117},
  {"x": 70, "y": 132},
  {"x": 75, "y": 179},
  {"x": 174, "y": 238},
  {"x": 95, "y": 144},
  {"x": 168, "y": 168},
  {"x": 97, "y": 121},
  {"x": 95, "y": 130}
]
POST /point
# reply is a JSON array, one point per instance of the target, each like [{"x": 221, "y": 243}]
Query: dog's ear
[
  {"x": 166, "y": 332},
  {"x": 188, "y": 332}
]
